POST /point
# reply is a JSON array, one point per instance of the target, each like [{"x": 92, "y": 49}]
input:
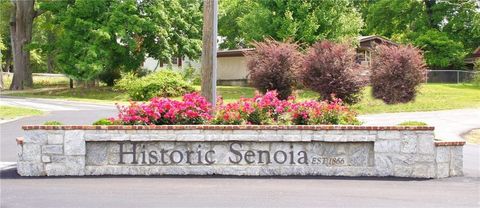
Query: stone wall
[{"x": 237, "y": 150}]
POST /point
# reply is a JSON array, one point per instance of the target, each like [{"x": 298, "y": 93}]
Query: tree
[
  {"x": 393, "y": 17},
  {"x": 440, "y": 50},
  {"x": 186, "y": 35},
  {"x": 460, "y": 19},
  {"x": 452, "y": 23},
  {"x": 230, "y": 13},
  {"x": 6, "y": 60},
  {"x": 22, "y": 15},
  {"x": 110, "y": 36},
  {"x": 303, "y": 21},
  {"x": 362, "y": 7},
  {"x": 43, "y": 46}
]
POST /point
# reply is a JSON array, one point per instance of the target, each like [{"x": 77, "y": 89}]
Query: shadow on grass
[{"x": 97, "y": 93}]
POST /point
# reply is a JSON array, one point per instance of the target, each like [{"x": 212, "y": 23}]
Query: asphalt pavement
[
  {"x": 219, "y": 191},
  {"x": 449, "y": 124},
  {"x": 52, "y": 104},
  {"x": 66, "y": 112}
]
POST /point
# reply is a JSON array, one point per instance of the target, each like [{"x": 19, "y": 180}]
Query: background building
[{"x": 232, "y": 64}]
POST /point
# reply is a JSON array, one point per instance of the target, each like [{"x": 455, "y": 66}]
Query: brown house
[
  {"x": 472, "y": 58},
  {"x": 367, "y": 44}
]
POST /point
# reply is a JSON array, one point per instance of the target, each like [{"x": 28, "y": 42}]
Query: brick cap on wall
[
  {"x": 19, "y": 140},
  {"x": 227, "y": 127},
  {"x": 449, "y": 143}
]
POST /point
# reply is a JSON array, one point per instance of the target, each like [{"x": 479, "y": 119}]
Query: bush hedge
[
  {"x": 53, "y": 123},
  {"x": 272, "y": 66},
  {"x": 396, "y": 73},
  {"x": 413, "y": 123},
  {"x": 330, "y": 69},
  {"x": 106, "y": 122},
  {"x": 164, "y": 83}
]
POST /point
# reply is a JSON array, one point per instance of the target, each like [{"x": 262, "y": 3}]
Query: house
[
  {"x": 366, "y": 46},
  {"x": 232, "y": 64},
  {"x": 472, "y": 58}
]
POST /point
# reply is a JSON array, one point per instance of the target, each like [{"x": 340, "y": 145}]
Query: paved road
[
  {"x": 232, "y": 191},
  {"x": 67, "y": 112},
  {"x": 52, "y": 104},
  {"x": 449, "y": 124},
  {"x": 237, "y": 192}
]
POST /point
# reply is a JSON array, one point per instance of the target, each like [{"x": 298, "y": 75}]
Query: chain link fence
[{"x": 450, "y": 76}]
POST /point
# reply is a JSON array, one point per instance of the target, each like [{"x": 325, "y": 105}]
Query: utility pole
[{"x": 209, "y": 50}]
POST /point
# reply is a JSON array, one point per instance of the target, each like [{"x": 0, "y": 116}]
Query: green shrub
[
  {"x": 103, "y": 121},
  {"x": 53, "y": 123},
  {"x": 192, "y": 75},
  {"x": 109, "y": 76},
  {"x": 164, "y": 83},
  {"x": 141, "y": 72},
  {"x": 413, "y": 123},
  {"x": 126, "y": 81}
]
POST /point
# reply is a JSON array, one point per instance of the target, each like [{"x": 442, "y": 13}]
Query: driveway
[
  {"x": 220, "y": 191},
  {"x": 449, "y": 124},
  {"x": 52, "y": 104},
  {"x": 67, "y": 112}
]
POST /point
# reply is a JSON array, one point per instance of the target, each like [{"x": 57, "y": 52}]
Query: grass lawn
[
  {"x": 8, "y": 112},
  {"x": 431, "y": 97},
  {"x": 95, "y": 95},
  {"x": 40, "y": 81}
]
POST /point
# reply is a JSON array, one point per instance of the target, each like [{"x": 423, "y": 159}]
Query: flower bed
[{"x": 260, "y": 110}]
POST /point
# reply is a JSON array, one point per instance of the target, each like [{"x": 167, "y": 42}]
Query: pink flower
[{"x": 261, "y": 109}]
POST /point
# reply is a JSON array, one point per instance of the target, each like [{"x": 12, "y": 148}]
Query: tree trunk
[
  {"x": 8, "y": 61},
  {"x": 50, "y": 53},
  {"x": 209, "y": 50},
  {"x": 21, "y": 33},
  {"x": 1, "y": 79},
  {"x": 17, "y": 80},
  {"x": 429, "y": 8},
  {"x": 50, "y": 66}
]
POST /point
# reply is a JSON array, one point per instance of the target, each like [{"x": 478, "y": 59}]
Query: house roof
[
  {"x": 233, "y": 53},
  {"x": 375, "y": 37},
  {"x": 240, "y": 52}
]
